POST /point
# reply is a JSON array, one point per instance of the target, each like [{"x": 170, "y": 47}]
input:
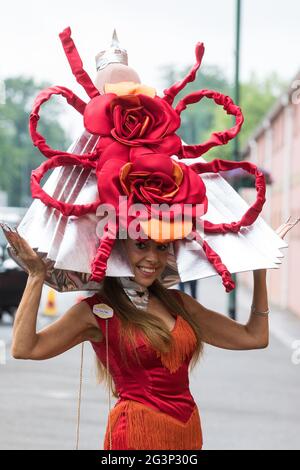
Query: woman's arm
[
  {"x": 258, "y": 325},
  {"x": 223, "y": 332},
  {"x": 75, "y": 326},
  {"x": 24, "y": 328}
]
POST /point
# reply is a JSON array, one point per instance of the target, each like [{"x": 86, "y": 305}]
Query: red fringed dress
[{"x": 155, "y": 409}]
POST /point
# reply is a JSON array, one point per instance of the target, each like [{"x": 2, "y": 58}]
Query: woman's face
[{"x": 147, "y": 258}]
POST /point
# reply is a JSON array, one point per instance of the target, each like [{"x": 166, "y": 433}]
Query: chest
[{"x": 157, "y": 308}]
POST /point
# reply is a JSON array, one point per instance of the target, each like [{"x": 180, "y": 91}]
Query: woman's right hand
[
  {"x": 31, "y": 261},
  {"x": 286, "y": 227}
]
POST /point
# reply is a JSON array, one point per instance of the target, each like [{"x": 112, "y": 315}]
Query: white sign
[
  {"x": 2, "y": 352},
  {"x": 103, "y": 311}
]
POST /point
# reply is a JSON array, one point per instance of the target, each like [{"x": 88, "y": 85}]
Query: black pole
[{"x": 232, "y": 295}]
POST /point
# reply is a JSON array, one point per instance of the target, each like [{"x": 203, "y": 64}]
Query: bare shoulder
[
  {"x": 185, "y": 297},
  {"x": 191, "y": 304},
  {"x": 83, "y": 311}
]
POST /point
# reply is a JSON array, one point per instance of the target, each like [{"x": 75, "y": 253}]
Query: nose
[{"x": 152, "y": 255}]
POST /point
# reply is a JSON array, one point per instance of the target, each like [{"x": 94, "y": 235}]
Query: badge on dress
[{"x": 103, "y": 311}]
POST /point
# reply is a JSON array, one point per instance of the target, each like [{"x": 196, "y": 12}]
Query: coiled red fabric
[{"x": 131, "y": 128}]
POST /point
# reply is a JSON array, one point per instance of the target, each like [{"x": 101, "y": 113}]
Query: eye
[
  {"x": 140, "y": 245},
  {"x": 163, "y": 246}
]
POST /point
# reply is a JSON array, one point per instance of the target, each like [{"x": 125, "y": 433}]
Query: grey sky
[{"x": 154, "y": 32}]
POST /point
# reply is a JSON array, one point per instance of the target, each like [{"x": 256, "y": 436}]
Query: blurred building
[{"x": 275, "y": 146}]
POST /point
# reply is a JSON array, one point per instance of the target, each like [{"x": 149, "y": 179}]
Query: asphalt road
[{"x": 247, "y": 399}]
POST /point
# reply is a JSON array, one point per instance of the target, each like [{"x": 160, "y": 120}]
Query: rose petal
[
  {"x": 166, "y": 118},
  {"x": 117, "y": 116},
  {"x": 97, "y": 115}
]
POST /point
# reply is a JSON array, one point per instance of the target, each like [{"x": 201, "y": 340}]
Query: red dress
[{"x": 155, "y": 409}]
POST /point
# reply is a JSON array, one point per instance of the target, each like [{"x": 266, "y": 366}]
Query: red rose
[
  {"x": 134, "y": 121},
  {"x": 157, "y": 179},
  {"x": 144, "y": 183}
]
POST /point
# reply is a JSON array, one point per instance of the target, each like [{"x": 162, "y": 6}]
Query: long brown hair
[{"x": 133, "y": 320}]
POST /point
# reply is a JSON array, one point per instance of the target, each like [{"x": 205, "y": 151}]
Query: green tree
[
  {"x": 256, "y": 99},
  {"x": 200, "y": 120},
  {"x": 18, "y": 156},
  {"x": 197, "y": 119}
]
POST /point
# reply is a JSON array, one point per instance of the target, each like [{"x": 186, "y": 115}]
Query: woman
[
  {"x": 143, "y": 334},
  {"x": 149, "y": 364}
]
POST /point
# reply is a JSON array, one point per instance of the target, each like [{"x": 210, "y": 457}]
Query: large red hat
[{"x": 133, "y": 158}]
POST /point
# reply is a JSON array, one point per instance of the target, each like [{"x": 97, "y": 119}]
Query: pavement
[
  {"x": 250, "y": 400},
  {"x": 247, "y": 399}
]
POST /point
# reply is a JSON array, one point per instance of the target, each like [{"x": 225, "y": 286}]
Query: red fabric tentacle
[
  {"x": 37, "y": 139},
  {"x": 104, "y": 250},
  {"x": 215, "y": 260},
  {"x": 253, "y": 212},
  {"x": 170, "y": 93},
  {"x": 217, "y": 138},
  {"x": 76, "y": 63},
  {"x": 210, "y": 227},
  {"x": 65, "y": 208}
]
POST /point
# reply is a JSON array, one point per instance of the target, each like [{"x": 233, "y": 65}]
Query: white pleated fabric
[{"x": 68, "y": 244}]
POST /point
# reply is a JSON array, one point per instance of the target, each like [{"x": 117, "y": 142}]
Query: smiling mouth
[{"x": 145, "y": 270}]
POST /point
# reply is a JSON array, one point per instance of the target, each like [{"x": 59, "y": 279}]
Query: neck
[
  {"x": 132, "y": 283},
  {"x": 138, "y": 294}
]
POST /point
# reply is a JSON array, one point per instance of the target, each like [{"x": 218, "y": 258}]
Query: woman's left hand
[
  {"x": 281, "y": 231},
  {"x": 286, "y": 227}
]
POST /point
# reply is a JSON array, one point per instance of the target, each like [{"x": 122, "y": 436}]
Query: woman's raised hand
[
  {"x": 29, "y": 258},
  {"x": 286, "y": 227}
]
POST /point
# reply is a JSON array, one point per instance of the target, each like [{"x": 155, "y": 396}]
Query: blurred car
[
  {"x": 12, "y": 284},
  {"x": 12, "y": 278}
]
